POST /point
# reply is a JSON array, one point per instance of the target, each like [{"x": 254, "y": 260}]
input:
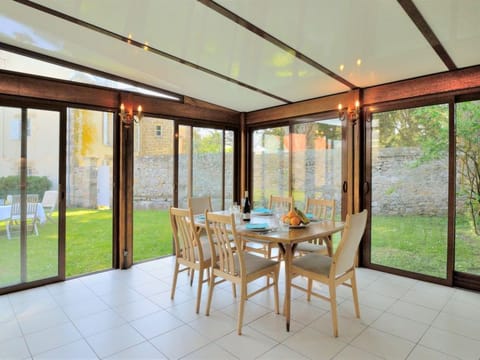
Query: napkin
[{"x": 257, "y": 226}]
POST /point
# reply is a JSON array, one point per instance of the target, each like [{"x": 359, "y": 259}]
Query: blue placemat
[
  {"x": 262, "y": 211},
  {"x": 257, "y": 226}
]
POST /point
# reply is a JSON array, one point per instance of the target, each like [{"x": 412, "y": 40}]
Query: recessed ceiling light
[
  {"x": 342, "y": 67},
  {"x": 359, "y": 62}
]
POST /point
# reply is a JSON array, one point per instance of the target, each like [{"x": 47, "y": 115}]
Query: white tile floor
[{"x": 128, "y": 314}]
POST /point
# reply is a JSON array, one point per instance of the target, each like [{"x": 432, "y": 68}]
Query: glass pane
[
  {"x": 153, "y": 188},
  {"x": 229, "y": 166},
  {"x": 208, "y": 164},
  {"x": 29, "y": 230},
  {"x": 184, "y": 164},
  {"x": 28, "y": 65},
  {"x": 270, "y": 164},
  {"x": 467, "y": 228},
  {"x": 410, "y": 189},
  {"x": 317, "y": 162},
  {"x": 89, "y": 191},
  {"x": 42, "y": 169},
  {"x": 10, "y": 265}
]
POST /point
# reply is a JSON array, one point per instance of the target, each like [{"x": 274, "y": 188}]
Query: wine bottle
[{"x": 246, "y": 208}]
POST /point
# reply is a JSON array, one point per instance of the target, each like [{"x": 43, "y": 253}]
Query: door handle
[
  {"x": 344, "y": 187},
  {"x": 366, "y": 187}
]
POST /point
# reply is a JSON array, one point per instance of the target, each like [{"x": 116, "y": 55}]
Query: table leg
[{"x": 288, "y": 255}]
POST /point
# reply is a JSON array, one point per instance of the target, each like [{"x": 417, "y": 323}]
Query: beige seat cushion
[
  {"x": 309, "y": 247},
  {"x": 253, "y": 263},
  {"x": 316, "y": 263}
]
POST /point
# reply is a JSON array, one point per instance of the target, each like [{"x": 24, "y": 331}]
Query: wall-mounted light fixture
[
  {"x": 352, "y": 114},
  {"x": 130, "y": 117}
]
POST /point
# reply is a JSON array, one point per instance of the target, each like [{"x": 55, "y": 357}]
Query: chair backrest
[
  {"x": 31, "y": 210},
  {"x": 50, "y": 199},
  {"x": 284, "y": 202},
  {"x": 323, "y": 209},
  {"x": 15, "y": 207},
  {"x": 344, "y": 257},
  {"x": 32, "y": 198},
  {"x": 185, "y": 235},
  {"x": 220, "y": 230},
  {"x": 200, "y": 204}
]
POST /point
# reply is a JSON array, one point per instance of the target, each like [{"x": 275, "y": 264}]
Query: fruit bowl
[{"x": 295, "y": 219}]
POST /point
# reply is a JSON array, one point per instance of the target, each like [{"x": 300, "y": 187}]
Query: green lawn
[
  {"x": 419, "y": 244},
  {"x": 399, "y": 242},
  {"x": 88, "y": 244}
]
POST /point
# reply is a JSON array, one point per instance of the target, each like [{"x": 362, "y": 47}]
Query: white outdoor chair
[{"x": 49, "y": 203}]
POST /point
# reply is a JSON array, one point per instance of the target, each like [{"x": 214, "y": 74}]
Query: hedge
[{"x": 10, "y": 185}]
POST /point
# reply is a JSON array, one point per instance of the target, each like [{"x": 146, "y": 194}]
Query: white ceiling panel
[
  {"x": 205, "y": 52},
  {"x": 456, "y": 23},
  {"x": 338, "y": 34},
  {"x": 191, "y": 31},
  {"x": 89, "y": 48}
]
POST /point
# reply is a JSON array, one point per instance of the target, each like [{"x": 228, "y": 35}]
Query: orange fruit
[{"x": 295, "y": 221}]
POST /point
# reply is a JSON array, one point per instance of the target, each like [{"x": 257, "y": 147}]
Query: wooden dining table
[{"x": 287, "y": 239}]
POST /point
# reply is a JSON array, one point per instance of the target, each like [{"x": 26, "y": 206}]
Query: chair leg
[
  {"x": 241, "y": 307},
  {"x": 210, "y": 293},
  {"x": 268, "y": 256},
  {"x": 275, "y": 290},
  {"x": 353, "y": 282},
  {"x": 174, "y": 282},
  {"x": 333, "y": 305},
  {"x": 192, "y": 275},
  {"x": 199, "y": 289},
  {"x": 309, "y": 289}
]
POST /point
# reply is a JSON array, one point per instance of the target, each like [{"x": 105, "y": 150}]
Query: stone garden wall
[
  {"x": 400, "y": 185},
  {"x": 403, "y": 186}
]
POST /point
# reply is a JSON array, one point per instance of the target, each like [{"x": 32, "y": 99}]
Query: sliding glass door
[
  {"x": 153, "y": 190},
  {"x": 89, "y": 191},
  {"x": 271, "y": 164},
  {"x": 29, "y": 163},
  {"x": 317, "y": 162},
  {"x": 409, "y": 151},
  {"x": 303, "y": 159},
  {"x": 206, "y": 165}
]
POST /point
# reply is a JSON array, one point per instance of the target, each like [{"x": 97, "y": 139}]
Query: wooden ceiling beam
[{"x": 422, "y": 25}]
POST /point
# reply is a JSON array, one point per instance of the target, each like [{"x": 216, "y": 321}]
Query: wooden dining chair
[
  {"x": 235, "y": 265},
  {"x": 321, "y": 209},
  {"x": 336, "y": 270},
  {"x": 199, "y": 204},
  {"x": 190, "y": 253}
]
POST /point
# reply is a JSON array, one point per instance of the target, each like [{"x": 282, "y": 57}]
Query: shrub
[{"x": 10, "y": 185}]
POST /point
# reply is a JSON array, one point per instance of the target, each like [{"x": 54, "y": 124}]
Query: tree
[
  {"x": 468, "y": 156},
  {"x": 207, "y": 141}
]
